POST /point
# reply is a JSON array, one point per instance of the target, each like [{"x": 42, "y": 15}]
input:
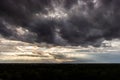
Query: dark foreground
[{"x": 57, "y": 71}]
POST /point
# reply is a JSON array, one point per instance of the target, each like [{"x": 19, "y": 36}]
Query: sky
[{"x": 60, "y": 22}]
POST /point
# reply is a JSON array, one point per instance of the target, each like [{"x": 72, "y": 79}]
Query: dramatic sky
[{"x": 61, "y": 22}]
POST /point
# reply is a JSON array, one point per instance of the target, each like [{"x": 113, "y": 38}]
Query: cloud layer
[{"x": 61, "y": 22}]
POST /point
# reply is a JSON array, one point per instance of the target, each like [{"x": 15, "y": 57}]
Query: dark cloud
[{"x": 62, "y": 22}]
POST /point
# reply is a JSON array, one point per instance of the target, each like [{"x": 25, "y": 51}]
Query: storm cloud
[{"x": 61, "y": 22}]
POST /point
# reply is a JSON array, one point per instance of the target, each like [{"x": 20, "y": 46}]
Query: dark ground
[{"x": 58, "y": 71}]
